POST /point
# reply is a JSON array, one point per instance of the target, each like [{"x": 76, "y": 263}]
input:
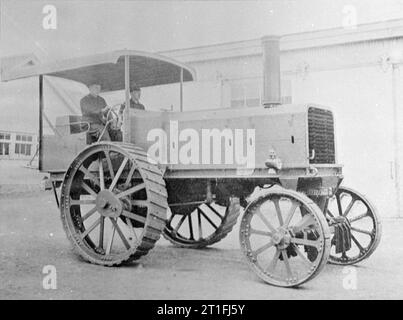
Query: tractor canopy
[{"x": 108, "y": 70}]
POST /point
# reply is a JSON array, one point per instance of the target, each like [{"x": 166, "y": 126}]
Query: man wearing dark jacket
[
  {"x": 93, "y": 108},
  {"x": 135, "y": 94}
]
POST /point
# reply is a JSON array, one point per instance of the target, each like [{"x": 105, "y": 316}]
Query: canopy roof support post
[
  {"x": 126, "y": 113},
  {"x": 181, "y": 90},
  {"x": 40, "y": 133}
]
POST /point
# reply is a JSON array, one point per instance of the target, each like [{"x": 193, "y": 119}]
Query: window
[
  {"x": 23, "y": 149},
  {"x": 4, "y": 148},
  {"x": 4, "y": 136}
]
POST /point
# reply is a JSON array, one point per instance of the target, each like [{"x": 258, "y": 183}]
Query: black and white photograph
[{"x": 201, "y": 150}]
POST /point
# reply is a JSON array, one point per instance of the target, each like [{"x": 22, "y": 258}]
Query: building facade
[{"x": 357, "y": 72}]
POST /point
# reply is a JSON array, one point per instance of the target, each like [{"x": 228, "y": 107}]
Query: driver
[{"x": 93, "y": 107}]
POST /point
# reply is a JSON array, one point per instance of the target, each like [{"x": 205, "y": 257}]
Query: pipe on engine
[{"x": 271, "y": 71}]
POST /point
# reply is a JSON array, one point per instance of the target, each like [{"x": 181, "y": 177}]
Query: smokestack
[{"x": 271, "y": 71}]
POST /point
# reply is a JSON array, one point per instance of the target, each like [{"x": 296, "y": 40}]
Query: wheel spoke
[
  {"x": 180, "y": 223},
  {"x": 360, "y": 247},
  {"x": 290, "y": 214},
  {"x": 118, "y": 174},
  {"x": 305, "y": 222},
  {"x": 339, "y": 205},
  {"x": 110, "y": 242},
  {"x": 134, "y": 216},
  {"x": 287, "y": 263},
  {"x": 267, "y": 223},
  {"x": 361, "y": 231},
  {"x": 89, "y": 214},
  {"x": 89, "y": 174},
  {"x": 215, "y": 211},
  {"x": 359, "y": 217},
  {"x": 329, "y": 213},
  {"x": 260, "y": 232},
  {"x": 129, "y": 176},
  {"x": 92, "y": 227},
  {"x": 130, "y": 226},
  {"x": 140, "y": 203},
  {"x": 121, "y": 235},
  {"x": 101, "y": 175},
  {"x": 190, "y": 227},
  {"x": 301, "y": 255},
  {"x": 208, "y": 219},
  {"x": 87, "y": 188},
  {"x": 110, "y": 167},
  {"x": 306, "y": 242},
  {"x": 171, "y": 217},
  {"x": 278, "y": 210},
  {"x": 101, "y": 231},
  {"x": 200, "y": 224},
  {"x": 263, "y": 248},
  {"x": 272, "y": 266},
  {"x": 349, "y": 207},
  {"x": 74, "y": 202},
  {"x": 131, "y": 190}
]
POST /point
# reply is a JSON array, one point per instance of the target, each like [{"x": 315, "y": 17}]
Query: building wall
[{"x": 355, "y": 79}]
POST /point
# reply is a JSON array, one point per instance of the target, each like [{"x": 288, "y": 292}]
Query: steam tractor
[{"x": 187, "y": 174}]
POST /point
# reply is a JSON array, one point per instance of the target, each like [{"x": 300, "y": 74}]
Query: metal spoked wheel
[
  {"x": 363, "y": 226},
  {"x": 113, "y": 203},
  {"x": 200, "y": 224},
  {"x": 285, "y": 237}
]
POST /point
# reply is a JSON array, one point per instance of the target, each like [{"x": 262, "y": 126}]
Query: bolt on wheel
[
  {"x": 113, "y": 203},
  {"x": 363, "y": 224},
  {"x": 285, "y": 237}
]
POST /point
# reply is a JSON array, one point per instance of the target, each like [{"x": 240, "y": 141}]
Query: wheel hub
[
  {"x": 108, "y": 205},
  {"x": 281, "y": 239}
]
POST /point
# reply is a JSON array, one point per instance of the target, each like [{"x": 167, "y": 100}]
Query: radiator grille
[{"x": 321, "y": 135}]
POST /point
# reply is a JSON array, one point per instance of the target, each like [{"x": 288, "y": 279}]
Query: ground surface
[{"x": 31, "y": 236}]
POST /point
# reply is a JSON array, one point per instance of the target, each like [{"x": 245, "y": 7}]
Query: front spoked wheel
[
  {"x": 285, "y": 237},
  {"x": 361, "y": 223}
]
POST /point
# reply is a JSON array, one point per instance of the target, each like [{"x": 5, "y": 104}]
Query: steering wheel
[{"x": 114, "y": 117}]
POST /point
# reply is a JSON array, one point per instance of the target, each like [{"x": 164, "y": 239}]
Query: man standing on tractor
[{"x": 93, "y": 108}]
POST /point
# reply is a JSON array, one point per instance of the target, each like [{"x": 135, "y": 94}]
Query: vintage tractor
[{"x": 187, "y": 174}]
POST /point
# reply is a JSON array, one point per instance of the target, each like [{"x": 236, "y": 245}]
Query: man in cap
[
  {"x": 135, "y": 94},
  {"x": 93, "y": 107}
]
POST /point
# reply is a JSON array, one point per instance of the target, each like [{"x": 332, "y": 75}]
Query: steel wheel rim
[
  {"x": 373, "y": 231},
  {"x": 267, "y": 270}
]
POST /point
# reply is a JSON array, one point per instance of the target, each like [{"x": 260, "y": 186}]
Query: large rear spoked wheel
[
  {"x": 285, "y": 237},
  {"x": 361, "y": 222},
  {"x": 113, "y": 203}
]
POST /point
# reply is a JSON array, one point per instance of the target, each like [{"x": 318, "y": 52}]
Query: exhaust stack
[{"x": 271, "y": 71}]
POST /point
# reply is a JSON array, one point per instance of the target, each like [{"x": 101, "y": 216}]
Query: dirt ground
[{"x": 31, "y": 237}]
